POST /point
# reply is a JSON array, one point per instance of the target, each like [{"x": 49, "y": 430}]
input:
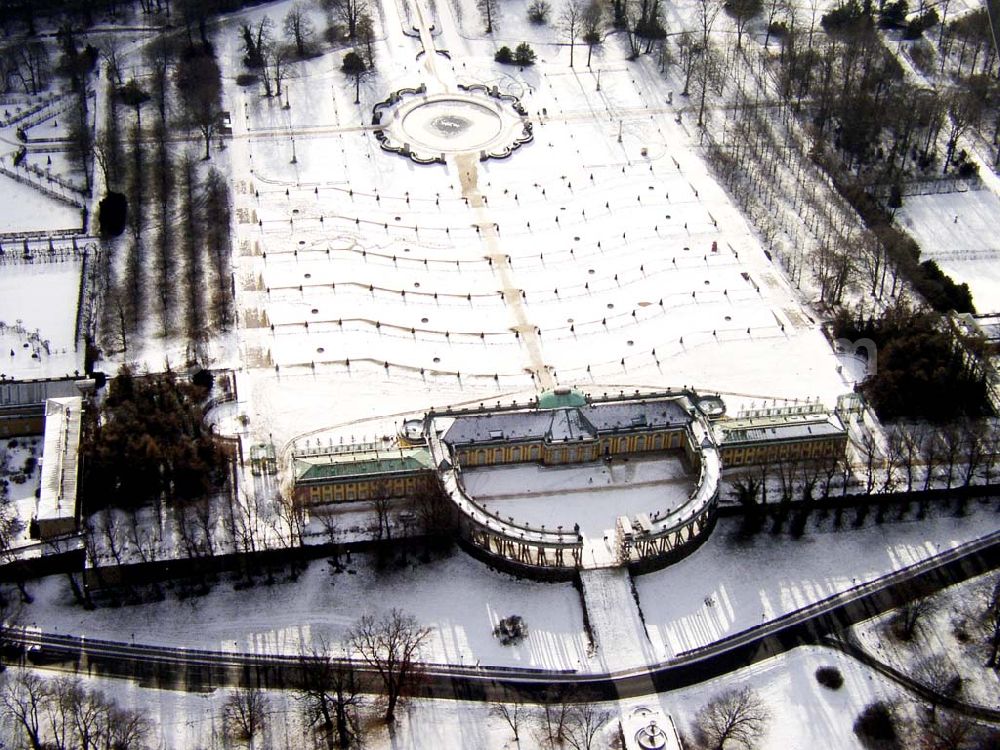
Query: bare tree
[
  {"x": 708, "y": 12},
  {"x": 553, "y": 724},
  {"x": 276, "y": 58},
  {"x": 571, "y": 24},
  {"x": 989, "y": 616},
  {"x": 24, "y": 695},
  {"x": 245, "y": 713},
  {"x": 911, "y": 616},
  {"x": 391, "y": 645},
  {"x": 159, "y": 57},
  {"x": 257, "y": 40},
  {"x": 690, "y": 52},
  {"x": 366, "y": 35},
  {"x": 347, "y": 12},
  {"x": 587, "y": 722},
  {"x": 381, "y": 507},
  {"x": 930, "y": 451},
  {"x": 736, "y": 716},
  {"x": 973, "y": 446},
  {"x": 330, "y": 694},
  {"x": 490, "y": 10},
  {"x": 292, "y": 513},
  {"x": 949, "y": 731},
  {"x": 127, "y": 729},
  {"x": 111, "y": 52},
  {"x": 29, "y": 63},
  {"x": 742, "y": 12},
  {"x": 200, "y": 85},
  {"x": 910, "y": 453},
  {"x": 592, "y": 22},
  {"x": 938, "y": 673},
  {"x": 354, "y": 66},
  {"x": 511, "y": 709},
  {"x": 299, "y": 29}
]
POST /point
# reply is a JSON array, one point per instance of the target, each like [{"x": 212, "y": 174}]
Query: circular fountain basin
[{"x": 428, "y": 128}]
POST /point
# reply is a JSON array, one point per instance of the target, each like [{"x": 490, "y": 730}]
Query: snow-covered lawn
[
  {"x": 727, "y": 586},
  {"x": 361, "y": 256},
  {"x": 458, "y": 598},
  {"x": 592, "y": 495},
  {"x": 958, "y": 230},
  {"x": 956, "y": 609},
  {"x": 802, "y": 713},
  {"x": 39, "y": 298},
  {"x": 15, "y": 453},
  {"x": 27, "y": 210},
  {"x": 720, "y": 589}
]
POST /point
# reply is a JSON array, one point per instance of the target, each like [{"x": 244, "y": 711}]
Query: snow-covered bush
[{"x": 511, "y": 630}]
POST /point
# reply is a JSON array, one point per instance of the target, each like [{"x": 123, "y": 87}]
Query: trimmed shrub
[
  {"x": 876, "y": 727},
  {"x": 830, "y": 677},
  {"x": 524, "y": 55}
]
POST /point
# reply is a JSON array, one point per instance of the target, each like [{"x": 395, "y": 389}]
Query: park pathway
[{"x": 615, "y": 621}]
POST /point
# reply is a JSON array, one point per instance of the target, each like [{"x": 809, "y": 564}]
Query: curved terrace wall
[{"x": 557, "y": 555}]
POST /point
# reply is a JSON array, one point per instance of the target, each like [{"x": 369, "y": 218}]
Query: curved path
[{"x": 174, "y": 668}]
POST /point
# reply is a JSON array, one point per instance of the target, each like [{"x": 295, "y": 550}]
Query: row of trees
[
  {"x": 158, "y": 185},
  {"x": 61, "y": 713}
]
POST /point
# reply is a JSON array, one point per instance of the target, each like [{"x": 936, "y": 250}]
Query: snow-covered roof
[
  {"x": 358, "y": 465},
  {"x": 60, "y": 459},
  {"x": 571, "y": 423},
  {"x": 746, "y": 432}
]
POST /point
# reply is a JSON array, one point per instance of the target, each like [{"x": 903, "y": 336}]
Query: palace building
[
  {"x": 788, "y": 437},
  {"x": 360, "y": 472},
  {"x": 565, "y": 427}
]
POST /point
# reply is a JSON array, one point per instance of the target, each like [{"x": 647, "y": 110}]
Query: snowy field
[
  {"x": 382, "y": 281},
  {"x": 15, "y": 454},
  {"x": 728, "y": 586},
  {"x": 592, "y": 495},
  {"x": 460, "y": 599},
  {"x": 37, "y": 340},
  {"x": 803, "y": 714},
  {"x": 959, "y": 231},
  {"x": 955, "y": 609},
  {"x": 720, "y": 589},
  {"x": 27, "y": 210}
]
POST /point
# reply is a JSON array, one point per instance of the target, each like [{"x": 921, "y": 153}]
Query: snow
[
  {"x": 22, "y": 286},
  {"x": 458, "y": 598},
  {"x": 591, "y": 495},
  {"x": 802, "y": 713},
  {"x": 354, "y": 262},
  {"x": 722, "y": 588},
  {"x": 14, "y": 452},
  {"x": 27, "y": 210},
  {"x": 727, "y": 586},
  {"x": 958, "y": 231},
  {"x": 614, "y": 618},
  {"x": 955, "y": 607}
]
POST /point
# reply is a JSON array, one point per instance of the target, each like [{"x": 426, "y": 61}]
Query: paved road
[{"x": 204, "y": 670}]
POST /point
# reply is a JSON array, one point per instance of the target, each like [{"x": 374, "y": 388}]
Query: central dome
[{"x": 561, "y": 398}]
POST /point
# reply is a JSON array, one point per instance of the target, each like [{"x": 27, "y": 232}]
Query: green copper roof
[
  {"x": 338, "y": 466},
  {"x": 561, "y": 398}
]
